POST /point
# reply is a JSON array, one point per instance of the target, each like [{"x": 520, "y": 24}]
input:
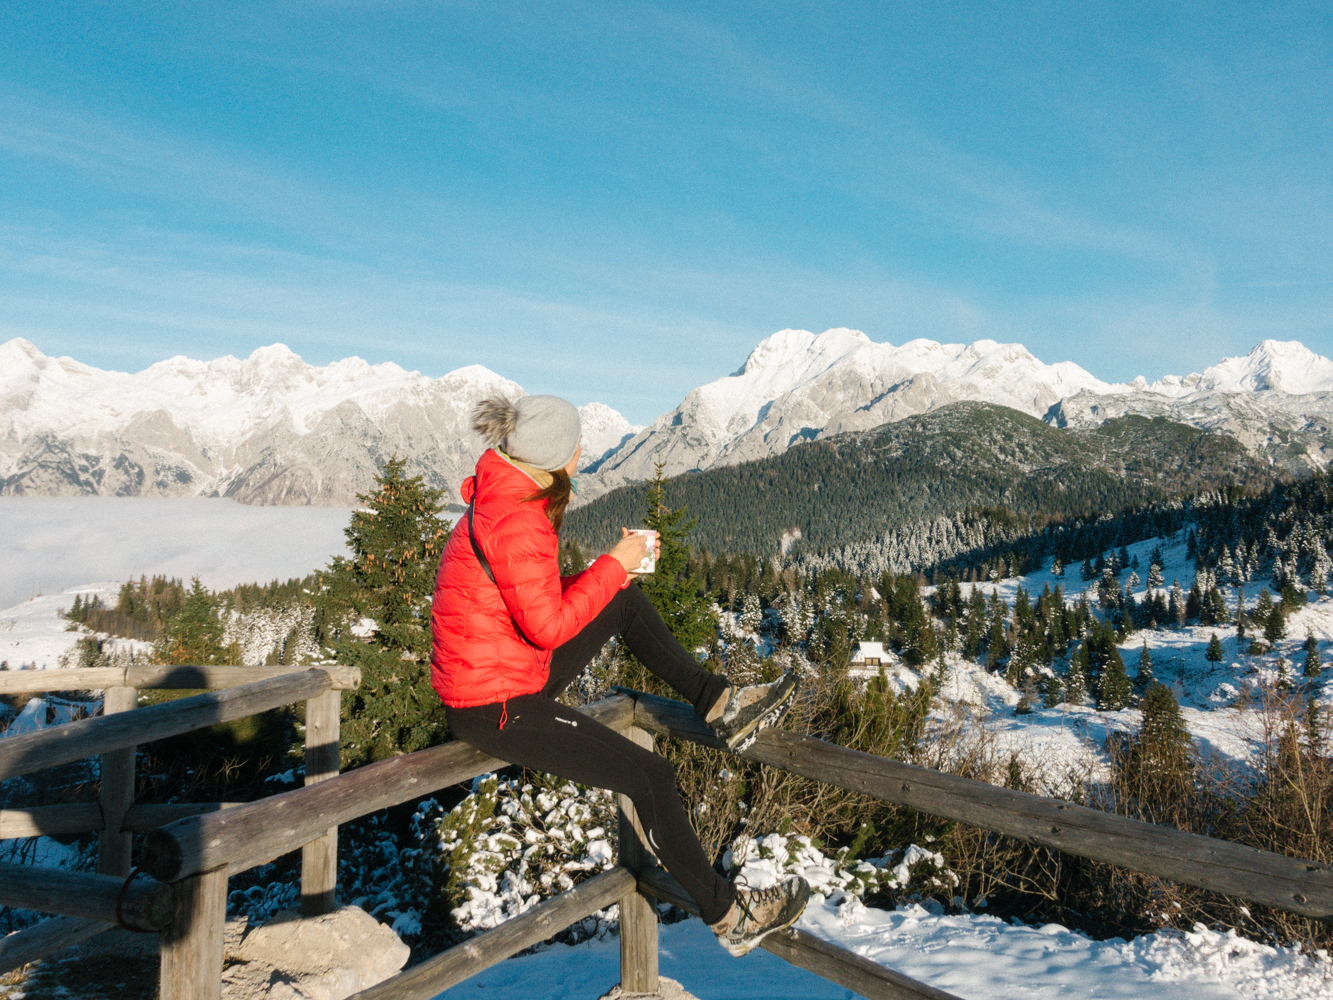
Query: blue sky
[{"x": 617, "y": 201}]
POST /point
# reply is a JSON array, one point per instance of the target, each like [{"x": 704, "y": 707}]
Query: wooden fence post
[
  {"x": 319, "y": 858},
  {"x": 638, "y": 915},
  {"x": 117, "y": 795},
  {"x": 192, "y": 946}
]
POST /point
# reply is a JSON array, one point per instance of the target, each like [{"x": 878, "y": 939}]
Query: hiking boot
[
  {"x": 751, "y": 709},
  {"x": 757, "y": 913}
]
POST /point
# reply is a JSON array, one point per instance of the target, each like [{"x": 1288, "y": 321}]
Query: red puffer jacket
[{"x": 477, "y": 656}]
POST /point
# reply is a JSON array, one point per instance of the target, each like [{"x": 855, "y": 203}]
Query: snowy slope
[{"x": 266, "y": 429}]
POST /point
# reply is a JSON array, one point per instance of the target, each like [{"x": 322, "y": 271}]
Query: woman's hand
[{"x": 631, "y": 549}]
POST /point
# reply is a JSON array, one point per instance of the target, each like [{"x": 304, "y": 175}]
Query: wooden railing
[
  {"x": 192, "y": 856},
  {"x": 89, "y": 904}
]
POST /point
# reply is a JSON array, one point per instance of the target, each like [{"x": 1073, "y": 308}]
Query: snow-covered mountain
[
  {"x": 797, "y": 386},
  {"x": 266, "y": 429},
  {"x": 273, "y": 429},
  {"x": 1277, "y": 401}
]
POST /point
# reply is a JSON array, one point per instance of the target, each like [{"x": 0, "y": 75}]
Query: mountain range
[{"x": 271, "y": 429}]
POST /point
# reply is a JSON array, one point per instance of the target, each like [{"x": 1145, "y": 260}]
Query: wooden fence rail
[
  {"x": 142, "y": 903},
  {"x": 87, "y": 817},
  {"x": 157, "y": 676},
  {"x": 846, "y": 968},
  {"x": 88, "y": 737},
  {"x": 546, "y": 919},
  {"x": 190, "y": 913},
  {"x": 40, "y": 940},
  {"x": 257, "y": 832},
  {"x": 192, "y": 856},
  {"x": 1293, "y": 884}
]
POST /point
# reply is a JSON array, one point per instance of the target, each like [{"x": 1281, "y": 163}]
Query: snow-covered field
[
  {"x": 973, "y": 956},
  {"x": 49, "y": 544}
]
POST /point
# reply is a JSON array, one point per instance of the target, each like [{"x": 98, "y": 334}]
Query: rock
[
  {"x": 667, "y": 989},
  {"x": 314, "y": 958}
]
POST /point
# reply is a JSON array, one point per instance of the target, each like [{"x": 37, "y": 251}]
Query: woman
[{"x": 509, "y": 634}]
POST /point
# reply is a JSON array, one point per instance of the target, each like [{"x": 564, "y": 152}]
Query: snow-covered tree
[
  {"x": 1155, "y": 576},
  {"x": 1312, "y": 666},
  {"x": 752, "y": 615}
]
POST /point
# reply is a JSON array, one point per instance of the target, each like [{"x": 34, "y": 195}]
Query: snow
[
  {"x": 604, "y": 430},
  {"x": 33, "y": 635},
  {"x": 971, "y": 955},
  {"x": 49, "y": 543},
  {"x": 1071, "y": 739},
  {"x": 1285, "y": 366}
]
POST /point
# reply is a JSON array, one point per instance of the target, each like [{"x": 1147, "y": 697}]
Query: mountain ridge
[
  {"x": 271, "y": 428},
  {"x": 859, "y": 485}
]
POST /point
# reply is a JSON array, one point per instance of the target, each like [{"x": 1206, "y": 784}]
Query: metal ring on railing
[{"x": 120, "y": 902}]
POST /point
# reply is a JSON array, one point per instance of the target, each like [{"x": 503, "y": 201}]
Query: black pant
[{"x": 545, "y": 736}]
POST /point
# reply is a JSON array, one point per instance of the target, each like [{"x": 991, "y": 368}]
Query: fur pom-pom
[{"x": 495, "y": 419}]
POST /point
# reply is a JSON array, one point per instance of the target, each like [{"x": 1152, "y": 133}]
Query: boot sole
[
  {"x": 744, "y": 739},
  {"x": 753, "y": 943}
]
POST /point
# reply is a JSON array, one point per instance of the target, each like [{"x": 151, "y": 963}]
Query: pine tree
[
  {"x": 1155, "y": 772},
  {"x": 1214, "y": 652},
  {"x": 1114, "y": 691},
  {"x": 194, "y": 634},
  {"x": 672, "y": 587},
  {"x": 396, "y": 542},
  {"x": 1276, "y": 626},
  {"x": 1312, "y": 667},
  {"x": 1144, "y": 678},
  {"x": 1263, "y": 607},
  {"x": 1053, "y": 692},
  {"x": 1178, "y": 607},
  {"x": 1155, "y": 575},
  {"x": 1076, "y": 678},
  {"x": 997, "y": 644}
]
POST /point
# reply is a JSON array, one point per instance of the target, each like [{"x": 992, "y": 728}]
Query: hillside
[{"x": 854, "y": 486}]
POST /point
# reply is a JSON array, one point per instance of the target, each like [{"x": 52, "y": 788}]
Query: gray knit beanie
[{"x": 541, "y": 430}]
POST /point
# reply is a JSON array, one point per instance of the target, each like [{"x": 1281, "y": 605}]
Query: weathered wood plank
[
  {"x": 846, "y": 968},
  {"x": 86, "y": 817},
  {"x": 51, "y": 821},
  {"x": 435, "y": 975},
  {"x": 89, "y": 737},
  {"x": 258, "y": 832},
  {"x": 47, "y": 938},
  {"x": 638, "y": 917},
  {"x": 192, "y": 945},
  {"x": 1294, "y": 884},
  {"x": 202, "y": 678},
  {"x": 151, "y": 676},
  {"x": 117, "y": 792},
  {"x": 146, "y": 904},
  {"x": 80, "y": 679},
  {"x": 319, "y": 858},
  {"x": 152, "y": 815}
]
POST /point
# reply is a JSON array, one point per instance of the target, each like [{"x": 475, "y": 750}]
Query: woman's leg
[
  {"x": 545, "y": 736},
  {"x": 632, "y": 616}
]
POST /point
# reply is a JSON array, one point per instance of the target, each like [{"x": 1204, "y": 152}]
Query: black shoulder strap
[
  {"x": 486, "y": 565},
  {"x": 476, "y": 549}
]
